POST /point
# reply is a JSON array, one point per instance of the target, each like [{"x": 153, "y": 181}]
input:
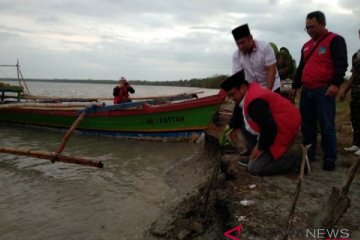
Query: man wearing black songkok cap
[
  {"x": 266, "y": 116},
  {"x": 256, "y": 58},
  {"x": 258, "y": 61}
]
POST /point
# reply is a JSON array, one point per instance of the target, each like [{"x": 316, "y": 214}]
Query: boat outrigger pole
[
  {"x": 50, "y": 156},
  {"x": 21, "y": 78},
  {"x": 57, "y": 156}
]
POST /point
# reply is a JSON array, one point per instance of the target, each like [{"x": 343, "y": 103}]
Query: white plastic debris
[
  {"x": 247, "y": 202},
  {"x": 252, "y": 186},
  {"x": 241, "y": 219}
]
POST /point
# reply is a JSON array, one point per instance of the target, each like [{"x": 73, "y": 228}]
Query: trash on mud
[{"x": 247, "y": 202}]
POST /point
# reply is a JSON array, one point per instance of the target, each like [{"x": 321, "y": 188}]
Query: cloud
[{"x": 152, "y": 40}]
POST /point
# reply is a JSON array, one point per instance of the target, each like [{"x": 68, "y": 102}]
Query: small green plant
[{"x": 224, "y": 139}]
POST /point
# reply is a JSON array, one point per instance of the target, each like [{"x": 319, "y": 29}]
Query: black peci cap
[
  {"x": 234, "y": 80},
  {"x": 241, "y": 31}
]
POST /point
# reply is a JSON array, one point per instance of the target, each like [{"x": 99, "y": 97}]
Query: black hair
[
  {"x": 318, "y": 15},
  {"x": 234, "y": 81}
]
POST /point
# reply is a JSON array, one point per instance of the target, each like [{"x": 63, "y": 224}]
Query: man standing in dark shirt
[
  {"x": 354, "y": 85},
  {"x": 320, "y": 72},
  {"x": 266, "y": 116}
]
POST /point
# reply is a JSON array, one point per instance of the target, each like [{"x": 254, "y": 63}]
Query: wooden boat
[
  {"x": 157, "y": 118},
  {"x": 174, "y": 120}
]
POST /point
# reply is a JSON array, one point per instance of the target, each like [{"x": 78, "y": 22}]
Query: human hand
[
  {"x": 256, "y": 153},
  {"x": 332, "y": 91}
]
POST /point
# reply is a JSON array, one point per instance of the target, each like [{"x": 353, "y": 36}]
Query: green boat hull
[{"x": 175, "y": 121}]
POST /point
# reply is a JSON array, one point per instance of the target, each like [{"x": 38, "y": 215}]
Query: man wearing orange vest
[
  {"x": 266, "y": 115},
  {"x": 320, "y": 72}
]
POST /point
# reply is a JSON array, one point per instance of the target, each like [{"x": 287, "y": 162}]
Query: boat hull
[{"x": 171, "y": 121}]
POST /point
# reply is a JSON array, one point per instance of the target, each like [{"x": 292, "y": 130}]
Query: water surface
[{"x": 41, "y": 200}]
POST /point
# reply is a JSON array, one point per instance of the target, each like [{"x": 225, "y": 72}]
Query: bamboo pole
[
  {"x": 48, "y": 105},
  {"x": 166, "y": 96},
  {"x": 65, "y": 98},
  {"x": 298, "y": 189},
  {"x": 20, "y": 77},
  {"x": 68, "y": 133},
  {"x": 51, "y": 156},
  {"x": 52, "y": 109},
  {"x": 109, "y": 99},
  {"x": 56, "y": 156}
]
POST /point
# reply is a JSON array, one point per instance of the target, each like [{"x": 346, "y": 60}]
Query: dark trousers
[
  {"x": 266, "y": 164},
  {"x": 355, "y": 115},
  {"x": 316, "y": 108}
]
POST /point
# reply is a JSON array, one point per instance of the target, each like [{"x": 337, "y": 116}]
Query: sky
[{"x": 153, "y": 40}]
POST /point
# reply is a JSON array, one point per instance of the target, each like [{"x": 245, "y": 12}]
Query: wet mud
[{"x": 232, "y": 199}]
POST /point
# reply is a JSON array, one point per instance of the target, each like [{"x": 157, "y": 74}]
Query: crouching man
[{"x": 272, "y": 124}]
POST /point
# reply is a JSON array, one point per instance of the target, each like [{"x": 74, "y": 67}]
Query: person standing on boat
[
  {"x": 257, "y": 59},
  {"x": 266, "y": 116},
  {"x": 121, "y": 92},
  {"x": 321, "y": 71}
]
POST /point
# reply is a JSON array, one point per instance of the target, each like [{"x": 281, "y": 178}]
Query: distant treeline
[{"x": 209, "y": 82}]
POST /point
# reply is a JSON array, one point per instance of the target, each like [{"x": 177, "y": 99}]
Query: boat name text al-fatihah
[{"x": 171, "y": 119}]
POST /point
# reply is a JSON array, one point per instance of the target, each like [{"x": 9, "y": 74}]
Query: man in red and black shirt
[
  {"x": 266, "y": 117},
  {"x": 321, "y": 71}
]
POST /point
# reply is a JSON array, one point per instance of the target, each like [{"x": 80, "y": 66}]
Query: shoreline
[{"x": 260, "y": 205}]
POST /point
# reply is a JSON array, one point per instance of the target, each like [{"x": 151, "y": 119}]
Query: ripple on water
[{"x": 41, "y": 200}]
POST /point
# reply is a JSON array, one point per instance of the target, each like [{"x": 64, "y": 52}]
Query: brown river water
[{"x": 40, "y": 200}]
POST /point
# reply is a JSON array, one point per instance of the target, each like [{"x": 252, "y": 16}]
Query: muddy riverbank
[{"x": 258, "y": 205}]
